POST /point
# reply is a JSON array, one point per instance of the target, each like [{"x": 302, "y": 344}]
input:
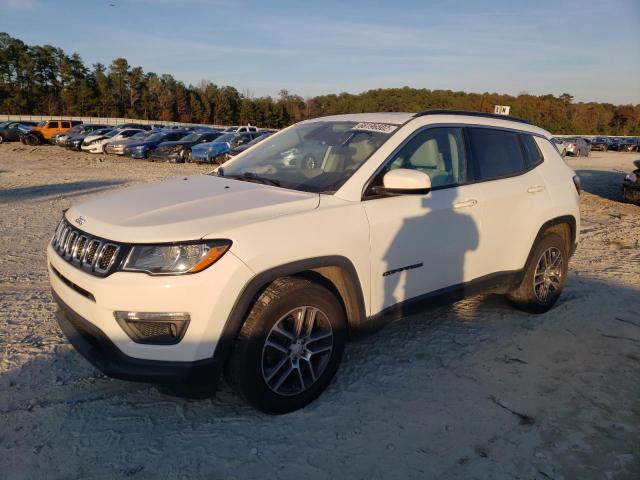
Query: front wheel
[
  {"x": 290, "y": 346},
  {"x": 544, "y": 276},
  {"x": 31, "y": 140}
]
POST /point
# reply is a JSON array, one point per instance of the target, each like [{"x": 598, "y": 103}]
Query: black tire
[
  {"x": 1, "y": 139},
  {"x": 246, "y": 366},
  {"x": 31, "y": 140},
  {"x": 527, "y": 296}
]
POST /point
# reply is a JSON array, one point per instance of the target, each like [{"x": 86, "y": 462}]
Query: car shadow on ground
[
  {"x": 42, "y": 192},
  {"x": 604, "y": 184},
  {"x": 436, "y": 391}
]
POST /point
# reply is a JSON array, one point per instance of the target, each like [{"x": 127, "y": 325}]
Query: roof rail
[{"x": 470, "y": 114}]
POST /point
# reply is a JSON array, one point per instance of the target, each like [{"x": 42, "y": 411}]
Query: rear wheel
[
  {"x": 289, "y": 347},
  {"x": 544, "y": 277}
]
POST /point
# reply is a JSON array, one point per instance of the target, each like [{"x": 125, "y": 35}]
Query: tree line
[{"x": 43, "y": 79}]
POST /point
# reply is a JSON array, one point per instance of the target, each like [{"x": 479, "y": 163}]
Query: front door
[{"x": 424, "y": 243}]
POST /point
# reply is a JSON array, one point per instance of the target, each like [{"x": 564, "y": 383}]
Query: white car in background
[
  {"x": 264, "y": 269},
  {"x": 98, "y": 143}
]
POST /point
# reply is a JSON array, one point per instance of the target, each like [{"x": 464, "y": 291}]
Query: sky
[{"x": 590, "y": 49}]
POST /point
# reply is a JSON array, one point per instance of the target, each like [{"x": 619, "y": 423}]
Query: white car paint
[
  {"x": 479, "y": 229},
  {"x": 97, "y": 143}
]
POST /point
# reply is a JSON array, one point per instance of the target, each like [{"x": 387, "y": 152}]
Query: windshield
[
  {"x": 112, "y": 133},
  {"x": 312, "y": 156},
  {"x": 227, "y": 137},
  {"x": 156, "y": 136},
  {"x": 140, "y": 135},
  {"x": 192, "y": 137}
]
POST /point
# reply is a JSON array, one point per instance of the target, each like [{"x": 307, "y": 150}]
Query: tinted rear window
[
  {"x": 53, "y": 124},
  {"x": 533, "y": 156},
  {"x": 497, "y": 152}
]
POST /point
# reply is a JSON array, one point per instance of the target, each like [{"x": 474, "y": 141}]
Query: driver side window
[{"x": 438, "y": 152}]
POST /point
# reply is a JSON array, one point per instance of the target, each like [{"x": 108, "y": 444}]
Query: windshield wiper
[{"x": 252, "y": 177}]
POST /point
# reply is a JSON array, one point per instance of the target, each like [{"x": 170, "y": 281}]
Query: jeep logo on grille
[{"x": 80, "y": 220}]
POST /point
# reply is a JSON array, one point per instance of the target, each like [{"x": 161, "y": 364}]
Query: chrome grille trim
[{"x": 85, "y": 251}]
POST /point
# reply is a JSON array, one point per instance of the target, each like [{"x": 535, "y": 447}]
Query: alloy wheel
[
  {"x": 297, "y": 351},
  {"x": 548, "y": 275}
]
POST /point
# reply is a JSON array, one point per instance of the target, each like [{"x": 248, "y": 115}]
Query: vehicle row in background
[{"x": 155, "y": 143}]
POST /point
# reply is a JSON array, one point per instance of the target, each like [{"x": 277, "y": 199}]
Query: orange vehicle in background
[{"x": 46, "y": 129}]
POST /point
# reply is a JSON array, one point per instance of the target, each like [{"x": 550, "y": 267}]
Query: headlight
[{"x": 175, "y": 259}]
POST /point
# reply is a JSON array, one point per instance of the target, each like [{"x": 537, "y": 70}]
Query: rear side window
[
  {"x": 66, "y": 125},
  {"x": 53, "y": 125},
  {"x": 497, "y": 152},
  {"x": 532, "y": 153}
]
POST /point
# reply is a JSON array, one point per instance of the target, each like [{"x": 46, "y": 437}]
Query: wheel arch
[
  {"x": 565, "y": 226},
  {"x": 336, "y": 273}
]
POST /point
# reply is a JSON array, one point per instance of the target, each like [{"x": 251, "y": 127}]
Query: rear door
[{"x": 515, "y": 197}]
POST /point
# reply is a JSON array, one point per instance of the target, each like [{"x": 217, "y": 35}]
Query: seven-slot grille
[{"x": 92, "y": 254}]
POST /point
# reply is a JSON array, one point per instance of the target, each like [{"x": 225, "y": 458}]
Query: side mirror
[{"x": 403, "y": 181}]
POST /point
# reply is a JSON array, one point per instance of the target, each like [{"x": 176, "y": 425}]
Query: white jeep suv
[{"x": 265, "y": 267}]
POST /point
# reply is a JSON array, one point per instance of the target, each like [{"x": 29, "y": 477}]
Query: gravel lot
[{"x": 473, "y": 390}]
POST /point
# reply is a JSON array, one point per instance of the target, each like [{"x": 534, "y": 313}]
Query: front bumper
[
  {"x": 102, "y": 353},
  {"x": 114, "y": 150},
  {"x": 208, "y": 297},
  {"x": 203, "y": 156},
  {"x": 137, "y": 153},
  {"x": 165, "y": 156}
]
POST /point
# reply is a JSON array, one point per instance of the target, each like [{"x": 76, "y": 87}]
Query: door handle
[
  {"x": 535, "y": 189},
  {"x": 465, "y": 204}
]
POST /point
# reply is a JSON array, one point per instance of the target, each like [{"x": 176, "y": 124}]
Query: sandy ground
[{"x": 474, "y": 390}]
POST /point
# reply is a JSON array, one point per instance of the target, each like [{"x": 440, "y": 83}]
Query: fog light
[{"x": 158, "y": 328}]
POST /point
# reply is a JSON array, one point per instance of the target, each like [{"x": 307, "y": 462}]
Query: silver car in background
[{"x": 577, "y": 147}]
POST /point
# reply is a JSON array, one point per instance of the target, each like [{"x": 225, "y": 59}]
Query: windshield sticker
[{"x": 375, "y": 127}]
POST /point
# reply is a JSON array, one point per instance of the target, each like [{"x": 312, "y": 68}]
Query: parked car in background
[
  {"x": 241, "y": 148},
  {"x": 74, "y": 142},
  {"x": 629, "y": 145},
  {"x": 215, "y": 151},
  {"x": 10, "y": 131},
  {"x": 242, "y": 128},
  {"x": 600, "y": 144},
  {"x": 46, "y": 129},
  {"x": 614, "y": 143},
  {"x": 560, "y": 144},
  {"x": 77, "y": 130},
  {"x": 100, "y": 143},
  {"x": 577, "y": 146},
  {"x": 140, "y": 126},
  {"x": 631, "y": 185},
  {"x": 141, "y": 149},
  {"x": 179, "y": 151},
  {"x": 116, "y": 146}
]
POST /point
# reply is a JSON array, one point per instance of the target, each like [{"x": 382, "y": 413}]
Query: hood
[
  {"x": 212, "y": 146},
  {"x": 185, "y": 209}
]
